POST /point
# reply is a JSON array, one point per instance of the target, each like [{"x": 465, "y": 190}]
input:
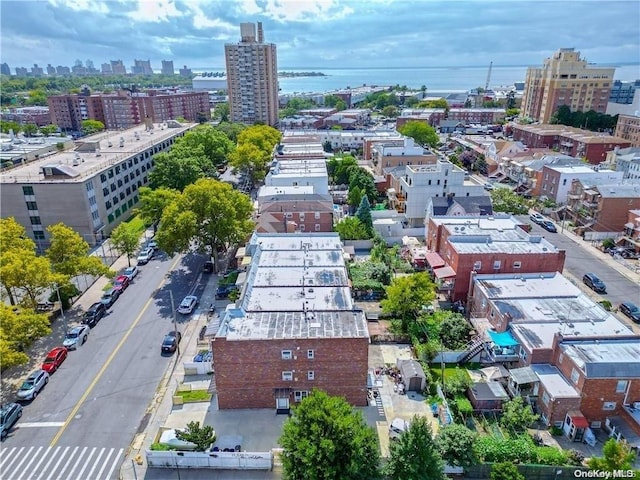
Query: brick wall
[
  {"x": 248, "y": 371},
  {"x": 556, "y": 409}
]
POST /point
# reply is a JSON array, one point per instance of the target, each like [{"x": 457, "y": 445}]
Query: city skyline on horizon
[{"x": 466, "y": 33}]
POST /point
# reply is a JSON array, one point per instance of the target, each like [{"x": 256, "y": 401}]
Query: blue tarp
[{"x": 504, "y": 339}]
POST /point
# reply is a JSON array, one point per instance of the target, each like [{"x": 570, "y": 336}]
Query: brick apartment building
[
  {"x": 284, "y": 210},
  {"x": 434, "y": 116},
  {"x": 293, "y": 329},
  {"x": 390, "y": 155},
  {"x": 569, "y": 140},
  {"x": 125, "y": 109},
  {"x": 556, "y": 180},
  {"x": 495, "y": 244},
  {"x": 628, "y": 127}
]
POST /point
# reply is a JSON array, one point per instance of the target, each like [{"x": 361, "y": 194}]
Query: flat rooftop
[
  {"x": 605, "y": 358},
  {"x": 554, "y": 382},
  {"x": 300, "y": 167},
  {"x": 528, "y": 285},
  {"x": 86, "y": 164},
  {"x": 269, "y": 191}
]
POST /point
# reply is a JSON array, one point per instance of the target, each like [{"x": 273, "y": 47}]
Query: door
[{"x": 282, "y": 403}]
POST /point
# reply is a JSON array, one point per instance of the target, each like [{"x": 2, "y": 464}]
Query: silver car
[
  {"x": 76, "y": 337},
  {"x": 32, "y": 385}
]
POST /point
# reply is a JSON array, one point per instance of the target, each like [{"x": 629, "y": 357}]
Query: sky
[{"x": 319, "y": 33}]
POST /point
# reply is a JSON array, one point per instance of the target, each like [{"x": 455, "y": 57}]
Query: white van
[{"x": 398, "y": 427}]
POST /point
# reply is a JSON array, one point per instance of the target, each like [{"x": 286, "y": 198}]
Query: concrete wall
[{"x": 214, "y": 460}]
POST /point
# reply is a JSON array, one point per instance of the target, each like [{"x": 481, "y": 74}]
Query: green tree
[
  {"x": 215, "y": 144},
  {"x": 512, "y": 112},
  {"x": 252, "y": 160},
  {"x": 89, "y": 127},
  {"x": 351, "y": 228},
  {"x": 49, "y": 129},
  {"x": 209, "y": 215},
  {"x": 455, "y": 444},
  {"x": 506, "y": 200},
  {"x": 354, "y": 197},
  {"x": 231, "y": 130},
  {"x": 326, "y": 439},
  {"x": 438, "y": 103},
  {"x": 390, "y": 111},
  {"x": 615, "y": 456},
  {"x": 454, "y": 331},
  {"x": 414, "y": 455},
  {"x": 335, "y": 102},
  {"x": 69, "y": 253},
  {"x": 457, "y": 384},
  {"x": 364, "y": 214},
  {"x": 221, "y": 112},
  {"x": 29, "y": 129},
  {"x": 174, "y": 171},
  {"x": 125, "y": 240},
  {"x": 13, "y": 240},
  {"x": 5, "y": 126},
  {"x": 505, "y": 471},
  {"x": 406, "y": 296},
  {"x": 517, "y": 416},
  {"x": 18, "y": 329},
  {"x": 363, "y": 179},
  {"x": 37, "y": 97},
  {"x": 201, "y": 436},
  {"x": 339, "y": 169},
  {"x": 153, "y": 203},
  {"x": 421, "y": 132}
]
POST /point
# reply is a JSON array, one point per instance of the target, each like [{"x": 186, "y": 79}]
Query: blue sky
[{"x": 319, "y": 33}]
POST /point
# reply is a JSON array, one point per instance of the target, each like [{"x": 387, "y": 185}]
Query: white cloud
[
  {"x": 299, "y": 10},
  {"x": 82, "y": 5},
  {"x": 154, "y": 11}
]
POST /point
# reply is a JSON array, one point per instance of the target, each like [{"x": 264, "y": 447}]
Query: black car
[
  {"x": 223, "y": 291},
  {"x": 592, "y": 281},
  {"x": 94, "y": 314},
  {"x": 631, "y": 311},
  {"x": 171, "y": 341},
  {"x": 207, "y": 267}
]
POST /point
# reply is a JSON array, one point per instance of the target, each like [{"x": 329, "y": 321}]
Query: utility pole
[
  {"x": 175, "y": 323},
  {"x": 64, "y": 318}
]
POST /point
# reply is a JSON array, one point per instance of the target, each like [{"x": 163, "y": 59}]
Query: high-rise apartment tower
[
  {"x": 565, "y": 79},
  {"x": 252, "y": 77}
]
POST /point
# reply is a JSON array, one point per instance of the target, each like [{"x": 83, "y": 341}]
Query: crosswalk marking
[
  {"x": 39, "y": 424},
  {"x": 60, "y": 463}
]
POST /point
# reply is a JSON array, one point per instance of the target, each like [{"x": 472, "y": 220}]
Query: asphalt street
[{"x": 85, "y": 418}]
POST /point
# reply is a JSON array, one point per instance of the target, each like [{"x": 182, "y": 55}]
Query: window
[
  {"x": 317, "y": 227},
  {"x": 103, "y": 178},
  {"x": 310, "y": 354},
  {"x": 311, "y": 375},
  {"x": 517, "y": 265},
  {"x": 27, "y": 190},
  {"x": 317, "y": 215},
  {"x": 298, "y": 396},
  {"x": 574, "y": 376},
  {"x": 497, "y": 264},
  {"x": 546, "y": 398},
  {"x": 110, "y": 173},
  {"x": 35, "y": 221},
  {"x": 32, "y": 206},
  {"x": 287, "y": 354},
  {"x": 38, "y": 235},
  {"x": 477, "y": 265},
  {"x": 287, "y": 376},
  {"x": 621, "y": 386},
  {"x": 609, "y": 406},
  {"x": 107, "y": 205},
  {"x": 302, "y": 228}
]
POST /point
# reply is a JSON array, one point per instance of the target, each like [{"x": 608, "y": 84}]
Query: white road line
[
  {"x": 66, "y": 465},
  {"x": 34, "y": 457},
  {"x": 40, "y": 424},
  {"x": 24, "y": 459},
  {"x": 104, "y": 463},
  {"x": 95, "y": 464},
  {"x": 116, "y": 460},
  {"x": 55, "y": 467},
  {"x": 46, "y": 466},
  {"x": 8, "y": 456},
  {"x": 86, "y": 463},
  {"x": 77, "y": 462}
]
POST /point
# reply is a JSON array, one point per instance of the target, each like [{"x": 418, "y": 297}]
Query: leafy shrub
[
  {"x": 520, "y": 449},
  {"x": 551, "y": 456},
  {"x": 556, "y": 431},
  {"x": 160, "y": 447},
  {"x": 575, "y": 457},
  {"x": 463, "y": 406},
  {"x": 606, "y": 304}
]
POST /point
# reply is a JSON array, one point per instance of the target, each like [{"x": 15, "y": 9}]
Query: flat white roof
[
  {"x": 605, "y": 358},
  {"x": 553, "y": 381},
  {"x": 271, "y": 191}
]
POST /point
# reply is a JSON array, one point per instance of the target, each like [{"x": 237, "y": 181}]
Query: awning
[
  {"x": 246, "y": 261},
  {"x": 282, "y": 392},
  {"x": 435, "y": 260},
  {"x": 503, "y": 339},
  {"x": 578, "y": 419},
  {"x": 445, "y": 272},
  {"x": 242, "y": 278},
  {"x": 629, "y": 225},
  {"x": 241, "y": 252},
  {"x": 521, "y": 376}
]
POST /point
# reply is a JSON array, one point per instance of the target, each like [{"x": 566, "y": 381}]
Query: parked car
[
  {"x": 109, "y": 297},
  {"x": 207, "y": 267},
  {"x": 130, "y": 273},
  {"x": 623, "y": 252},
  {"x": 54, "y": 359},
  {"x": 536, "y": 218},
  {"x": 93, "y": 315},
  {"x": 32, "y": 385},
  {"x": 152, "y": 244},
  {"x": 592, "y": 281},
  {"x": 9, "y": 415},
  {"x": 397, "y": 428},
  {"x": 223, "y": 291},
  {"x": 121, "y": 283},
  {"x": 630, "y": 310},
  {"x": 188, "y": 304},
  {"x": 76, "y": 337},
  {"x": 548, "y": 225},
  {"x": 171, "y": 341},
  {"x": 145, "y": 255}
]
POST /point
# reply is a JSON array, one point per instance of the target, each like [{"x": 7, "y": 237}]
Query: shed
[
  {"x": 487, "y": 395},
  {"x": 413, "y": 375}
]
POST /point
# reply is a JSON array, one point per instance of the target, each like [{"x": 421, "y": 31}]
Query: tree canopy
[
  {"x": 590, "y": 120},
  {"x": 406, "y": 296},
  {"x": 507, "y": 201},
  {"x": 215, "y": 142},
  {"x": 69, "y": 253},
  {"x": 351, "y": 228},
  {"x": 89, "y": 127},
  {"x": 505, "y": 471},
  {"x": 153, "y": 203},
  {"x": 455, "y": 444},
  {"x": 615, "y": 456},
  {"x": 178, "y": 168},
  {"x": 423, "y": 133},
  {"x": 125, "y": 239},
  {"x": 18, "y": 329},
  {"x": 253, "y": 154},
  {"x": 517, "y": 416},
  {"x": 364, "y": 214},
  {"x": 201, "y": 436},
  {"x": 326, "y": 439},
  {"x": 208, "y": 216},
  {"x": 414, "y": 455},
  {"x": 339, "y": 169}
]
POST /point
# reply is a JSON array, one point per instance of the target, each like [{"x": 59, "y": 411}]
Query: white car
[
  {"x": 130, "y": 272},
  {"x": 188, "y": 304},
  {"x": 536, "y": 218},
  {"x": 76, "y": 337},
  {"x": 32, "y": 385},
  {"x": 145, "y": 255}
]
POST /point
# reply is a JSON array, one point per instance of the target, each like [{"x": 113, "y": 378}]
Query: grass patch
[
  {"x": 194, "y": 396},
  {"x": 137, "y": 223},
  {"x": 449, "y": 371},
  {"x": 229, "y": 279}
]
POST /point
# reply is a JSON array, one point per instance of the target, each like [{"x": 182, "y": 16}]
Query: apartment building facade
[
  {"x": 91, "y": 189},
  {"x": 389, "y": 155},
  {"x": 252, "y": 77},
  {"x": 293, "y": 329},
  {"x": 285, "y": 211},
  {"x": 628, "y": 127},
  {"x": 557, "y": 179},
  {"x": 565, "y": 79}
]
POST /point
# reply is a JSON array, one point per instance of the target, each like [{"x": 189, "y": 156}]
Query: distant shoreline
[{"x": 301, "y": 74}]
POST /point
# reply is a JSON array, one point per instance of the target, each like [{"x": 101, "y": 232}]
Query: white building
[
  {"x": 299, "y": 172},
  {"x": 556, "y": 180}
]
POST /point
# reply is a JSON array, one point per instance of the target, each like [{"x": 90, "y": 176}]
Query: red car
[
  {"x": 121, "y": 283},
  {"x": 54, "y": 359}
]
